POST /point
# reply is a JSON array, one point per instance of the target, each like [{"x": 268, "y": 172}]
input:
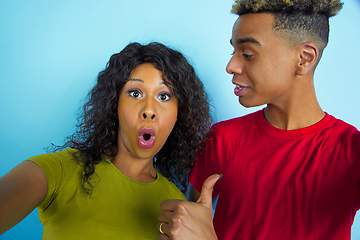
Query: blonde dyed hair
[
  {"x": 297, "y": 21},
  {"x": 327, "y": 8}
]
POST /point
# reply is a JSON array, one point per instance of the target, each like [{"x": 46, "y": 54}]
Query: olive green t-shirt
[{"x": 118, "y": 208}]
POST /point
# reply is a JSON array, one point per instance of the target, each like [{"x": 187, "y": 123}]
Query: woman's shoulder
[
  {"x": 61, "y": 159},
  {"x": 58, "y": 166}
]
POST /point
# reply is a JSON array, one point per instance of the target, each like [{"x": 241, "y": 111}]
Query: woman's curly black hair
[{"x": 97, "y": 132}]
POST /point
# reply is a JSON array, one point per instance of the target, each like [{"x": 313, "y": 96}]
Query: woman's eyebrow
[{"x": 142, "y": 81}]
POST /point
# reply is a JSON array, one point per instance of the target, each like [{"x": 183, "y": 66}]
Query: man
[{"x": 290, "y": 171}]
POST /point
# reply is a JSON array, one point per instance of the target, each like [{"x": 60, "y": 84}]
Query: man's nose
[{"x": 234, "y": 66}]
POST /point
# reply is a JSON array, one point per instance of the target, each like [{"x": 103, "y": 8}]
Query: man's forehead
[{"x": 252, "y": 23}]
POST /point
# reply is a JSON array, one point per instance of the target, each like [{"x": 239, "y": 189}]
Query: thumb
[{"x": 207, "y": 189}]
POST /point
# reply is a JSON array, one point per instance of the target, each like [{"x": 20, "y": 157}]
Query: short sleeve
[
  {"x": 356, "y": 155},
  {"x": 58, "y": 167}
]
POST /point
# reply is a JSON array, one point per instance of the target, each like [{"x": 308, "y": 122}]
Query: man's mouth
[{"x": 240, "y": 90}]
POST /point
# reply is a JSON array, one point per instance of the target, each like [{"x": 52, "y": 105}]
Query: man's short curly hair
[
  {"x": 327, "y": 8},
  {"x": 97, "y": 132},
  {"x": 298, "y": 20}
]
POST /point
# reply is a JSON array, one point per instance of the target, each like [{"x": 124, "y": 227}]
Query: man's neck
[{"x": 295, "y": 115}]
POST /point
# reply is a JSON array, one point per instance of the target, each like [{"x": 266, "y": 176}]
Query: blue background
[{"x": 52, "y": 51}]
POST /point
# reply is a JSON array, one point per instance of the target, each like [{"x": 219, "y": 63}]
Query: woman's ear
[{"x": 308, "y": 57}]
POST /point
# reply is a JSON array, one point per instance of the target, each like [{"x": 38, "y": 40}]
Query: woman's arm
[
  {"x": 21, "y": 191},
  {"x": 189, "y": 220}
]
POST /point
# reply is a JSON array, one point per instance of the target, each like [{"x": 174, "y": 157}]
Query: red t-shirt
[{"x": 279, "y": 184}]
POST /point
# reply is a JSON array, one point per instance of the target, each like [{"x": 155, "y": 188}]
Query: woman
[{"x": 142, "y": 125}]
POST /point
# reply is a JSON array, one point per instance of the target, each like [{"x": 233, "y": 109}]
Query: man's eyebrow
[{"x": 245, "y": 40}]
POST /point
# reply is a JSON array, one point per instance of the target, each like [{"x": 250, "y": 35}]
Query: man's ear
[{"x": 308, "y": 56}]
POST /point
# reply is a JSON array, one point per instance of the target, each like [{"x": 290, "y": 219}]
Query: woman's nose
[
  {"x": 148, "y": 112},
  {"x": 148, "y": 115}
]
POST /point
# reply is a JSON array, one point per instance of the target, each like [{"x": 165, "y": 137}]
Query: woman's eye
[
  {"x": 134, "y": 93},
  {"x": 165, "y": 96}
]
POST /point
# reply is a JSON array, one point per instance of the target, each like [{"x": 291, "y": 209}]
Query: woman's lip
[
  {"x": 146, "y": 131},
  {"x": 240, "y": 90},
  {"x": 146, "y": 144}
]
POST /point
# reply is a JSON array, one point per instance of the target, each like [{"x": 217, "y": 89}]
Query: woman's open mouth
[{"x": 146, "y": 138}]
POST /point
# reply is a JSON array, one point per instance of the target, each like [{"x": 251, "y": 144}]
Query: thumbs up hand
[{"x": 188, "y": 220}]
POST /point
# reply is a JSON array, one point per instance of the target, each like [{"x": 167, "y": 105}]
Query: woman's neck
[{"x": 141, "y": 170}]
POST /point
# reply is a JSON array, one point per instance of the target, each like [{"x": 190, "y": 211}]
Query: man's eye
[
  {"x": 247, "y": 56},
  {"x": 165, "y": 96},
  {"x": 134, "y": 93}
]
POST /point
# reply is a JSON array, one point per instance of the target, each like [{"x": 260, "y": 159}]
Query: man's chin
[{"x": 247, "y": 104}]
